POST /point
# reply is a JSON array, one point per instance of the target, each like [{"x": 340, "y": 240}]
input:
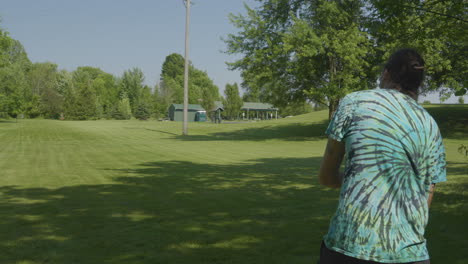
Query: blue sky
[{"x": 116, "y": 35}]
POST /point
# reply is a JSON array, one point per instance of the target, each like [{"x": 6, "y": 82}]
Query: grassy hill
[{"x": 138, "y": 192}]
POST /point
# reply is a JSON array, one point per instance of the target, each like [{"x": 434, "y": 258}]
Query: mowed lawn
[{"x": 138, "y": 192}]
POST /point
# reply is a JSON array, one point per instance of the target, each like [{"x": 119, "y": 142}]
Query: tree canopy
[
  {"x": 298, "y": 50},
  {"x": 202, "y": 90}
]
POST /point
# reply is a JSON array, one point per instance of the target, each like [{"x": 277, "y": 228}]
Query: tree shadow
[
  {"x": 161, "y": 131},
  {"x": 457, "y": 168},
  {"x": 262, "y": 211},
  {"x": 289, "y": 132},
  {"x": 452, "y": 120},
  {"x": 446, "y": 231}
]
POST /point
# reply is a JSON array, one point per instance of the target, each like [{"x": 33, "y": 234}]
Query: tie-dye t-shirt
[{"x": 394, "y": 151}]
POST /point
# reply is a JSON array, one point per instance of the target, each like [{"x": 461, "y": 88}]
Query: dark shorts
[{"x": 328, "y": 256}]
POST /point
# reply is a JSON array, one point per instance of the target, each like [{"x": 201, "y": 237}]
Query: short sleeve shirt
[{"x": 394, "y": 151}]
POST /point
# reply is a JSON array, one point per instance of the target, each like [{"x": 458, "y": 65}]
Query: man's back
[{"x": 394, "y": 152}]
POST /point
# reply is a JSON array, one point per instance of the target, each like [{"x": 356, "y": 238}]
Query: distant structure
[
  {"x": 215, "y": 113},
  {"x": 196, "y": 113},
  {"x": 260, "y": 110},
  {"x": 251, "y": 110}
]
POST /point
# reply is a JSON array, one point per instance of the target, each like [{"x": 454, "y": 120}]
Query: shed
[{"x": 196, "y": 113}]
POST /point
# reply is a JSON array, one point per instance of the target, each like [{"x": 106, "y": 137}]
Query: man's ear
[{"x": 384, "y": 79}]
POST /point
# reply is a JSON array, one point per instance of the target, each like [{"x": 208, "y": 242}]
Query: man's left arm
[{"x": 431, "y": 194}]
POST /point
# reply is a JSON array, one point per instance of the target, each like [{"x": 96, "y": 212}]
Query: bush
[
  {"x": 143, "y": 111},
  {"x": 123, "y": 110}
]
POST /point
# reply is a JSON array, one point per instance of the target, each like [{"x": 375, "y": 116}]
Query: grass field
[{"x": 137, "y": 192}]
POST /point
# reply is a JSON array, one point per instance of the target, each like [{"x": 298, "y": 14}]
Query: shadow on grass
[
  {"x": 264, "y": 211},
  {"x": 457, "y": 168},
  {"x": 452, "y": 121},
  {"x": 447, "y": 230},
  {"x": 161, "y": 131},
  {"x": 293, "y": 132}
]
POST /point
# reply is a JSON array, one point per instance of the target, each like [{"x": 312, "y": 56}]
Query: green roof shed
[{"x": 196, "y": 113}]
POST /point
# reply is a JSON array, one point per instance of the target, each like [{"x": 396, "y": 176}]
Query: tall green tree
[
  {"x": 298, "y": 50},
  {"x": 201, "y": 88},
  {"x": 132, "y": 84},
  {"x": 144, "y": 109},
  {"x": 173, "y": 66},
  {"x": 232, "y": 102},
  {"x": 14, "y": 65},
  {"x": 163, "y": 98},
  {"x": 123, "y": 110},
  {"x": 81, "y": 102},
  {"x": 107, "y": 91},
  {"x": 44, "y": 83},
  {"x": 89, "y": 93}
]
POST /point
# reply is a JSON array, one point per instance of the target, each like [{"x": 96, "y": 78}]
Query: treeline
[{"x": 43, "y": 90}]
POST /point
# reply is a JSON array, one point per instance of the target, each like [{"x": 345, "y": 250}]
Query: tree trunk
[{"x": 332, "y": 106}]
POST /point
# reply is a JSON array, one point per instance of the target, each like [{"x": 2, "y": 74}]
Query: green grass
[{"x": 138, "y": 192}]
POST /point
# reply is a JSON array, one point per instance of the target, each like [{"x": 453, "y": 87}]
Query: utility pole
[{"x": 186, "y": 70}]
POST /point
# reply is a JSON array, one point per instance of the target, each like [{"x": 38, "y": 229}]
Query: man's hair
[{"x": 406, "y": 68}]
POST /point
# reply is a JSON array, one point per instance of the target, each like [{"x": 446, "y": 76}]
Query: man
[{"x": 394, "y": 157}]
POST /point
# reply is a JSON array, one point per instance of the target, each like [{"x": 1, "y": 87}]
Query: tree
[
  {"x": 201, "y": 88},
  {"x": 124, "y": 109},
  {"x": 300, "y": 50},
  {"x": 43, "y": 79},
  {"x": 209, "y": 92},
  {"x": 435, "y": 28},
  {"x": 144, "y": 109},
  {"x": 107, "y": 91},
  {"x": 132, "y": 84},
  {"x": 461, "y": 100},
  {"x": 233, "y": 102},
  {"x": 89, "y": 93},
  {"x": 12, "y": 85},
  {"x": 173, "y": 66},
  {"x": 14, "y": 65},
  {"x": 81, "y": 102},
  {"x": 162, "y": 98},
  {"x": 32, "y": 107}
]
